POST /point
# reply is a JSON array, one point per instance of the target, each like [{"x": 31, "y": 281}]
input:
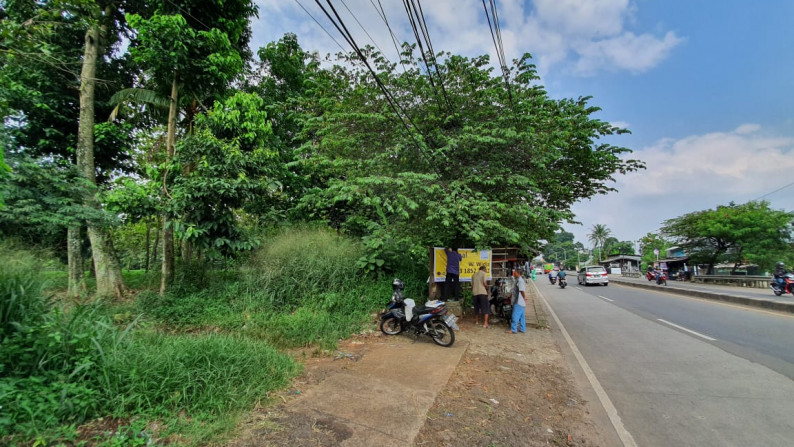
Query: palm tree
[{"x": 598, "y": 234}]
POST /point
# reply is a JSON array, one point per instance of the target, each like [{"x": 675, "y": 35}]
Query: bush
[{"x": 300, "y": 263}]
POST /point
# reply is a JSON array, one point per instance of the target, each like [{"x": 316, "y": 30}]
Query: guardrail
[{"x": 758, "y": 282}]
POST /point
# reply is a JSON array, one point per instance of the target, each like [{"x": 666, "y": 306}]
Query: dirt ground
[{"x": 507, "y": 390}]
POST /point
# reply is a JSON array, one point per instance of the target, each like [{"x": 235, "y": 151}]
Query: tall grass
[
  {"x": 21, "y": 289},
  {"x": 301, "y": 287},
  {"x": 62, "y": 365},
  {"x": 298, "y": 264},
  {"x": 206, "y": 374}
]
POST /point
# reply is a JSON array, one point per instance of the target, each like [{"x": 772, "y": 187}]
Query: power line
[
  {"x": 414, "y": 19},
  {"x": 364, "y": 29},
  {"x": 426, "y": 33},
  {"x": 779, "y": 189},
  {"x": 496, "y": 36},
  {"x": 389, "y": 97},
  {"x": 189, "y": 15},
  {"x": 320, "y": 25},
  {"x": 382, "y": 14}
]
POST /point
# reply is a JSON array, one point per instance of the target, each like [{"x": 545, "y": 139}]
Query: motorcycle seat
[{"x": 419, "y": 310}]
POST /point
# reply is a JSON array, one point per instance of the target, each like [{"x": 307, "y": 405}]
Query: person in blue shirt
[
  {"x": 518, "y": 300},
  {"x": 452, "y": 281}
]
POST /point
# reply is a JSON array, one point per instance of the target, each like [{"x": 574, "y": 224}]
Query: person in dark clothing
[
  {"x": 452, "y": 281},
  {"x": 780, "y": 272}
]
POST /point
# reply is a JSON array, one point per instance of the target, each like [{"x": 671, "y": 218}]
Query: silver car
[{"x": 593, "y": 274}]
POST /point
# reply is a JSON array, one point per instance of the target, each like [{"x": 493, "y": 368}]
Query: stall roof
[{"x": 620, "y": 257}]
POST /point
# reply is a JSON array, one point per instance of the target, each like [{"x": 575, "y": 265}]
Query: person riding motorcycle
[{"x": 780, "y": 272}]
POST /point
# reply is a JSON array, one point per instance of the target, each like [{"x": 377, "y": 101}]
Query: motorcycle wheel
[
  {"x": 442, "y": 334},
  {"x": 778, "y": 292},
  {"x": 562, "y": 285},
  {"x": 391, "y": 326}
]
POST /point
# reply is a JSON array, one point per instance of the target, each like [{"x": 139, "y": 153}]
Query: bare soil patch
[{"x": 507, "y": 390}]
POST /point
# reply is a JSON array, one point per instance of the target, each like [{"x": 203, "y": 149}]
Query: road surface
[{"x": 683, "y": 371}]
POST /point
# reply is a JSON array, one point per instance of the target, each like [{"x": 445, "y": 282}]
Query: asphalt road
[{"x": 683, "y": 371}]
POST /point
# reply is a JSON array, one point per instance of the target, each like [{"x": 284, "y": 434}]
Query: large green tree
[
  {"x": 194, "y": 52},
  {"x": 474, "y": 164},
  {"x": 53, "y": 53},
  {"x": 750, "y": 232},
  {"x": 653, "y": 242}
]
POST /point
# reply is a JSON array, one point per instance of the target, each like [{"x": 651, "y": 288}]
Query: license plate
[{"x": 450, "y": 320}]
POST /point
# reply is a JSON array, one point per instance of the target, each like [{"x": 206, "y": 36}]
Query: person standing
[
  {"x": 518, "y": 299},
  {"x": 452, "y": 281},
  {"x": 479, "y": 291}
]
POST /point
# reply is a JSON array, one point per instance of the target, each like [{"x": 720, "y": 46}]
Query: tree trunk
[
  {"x": 156, "y": 246},
  {"x": 74, "y": 250},
  {"x": 168, "y": 231},
  {"x": 148, "y": 240},
  {"x": 106, "y": 264}
]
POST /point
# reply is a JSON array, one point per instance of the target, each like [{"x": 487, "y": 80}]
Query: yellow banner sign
[{"x": 471, "y": 262}]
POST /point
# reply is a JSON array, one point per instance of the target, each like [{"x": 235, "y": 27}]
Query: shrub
[{"x": 298, "y": 264}]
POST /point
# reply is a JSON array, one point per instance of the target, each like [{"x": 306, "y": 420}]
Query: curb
[{"x": 765, "y": 304}]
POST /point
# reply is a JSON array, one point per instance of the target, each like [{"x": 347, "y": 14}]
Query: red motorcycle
[
  {"x": 786, "y": 287},
  {"x": 655, "y": 275}
]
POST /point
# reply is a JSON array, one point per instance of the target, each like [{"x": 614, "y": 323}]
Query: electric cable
[
  {"x": 364, "y": 29},
  {"x": 412, "y": 12},
  {"x": 496, "y": 36},
  {"x": 389, "y": 97},
  {"x": 320, "y": 25},
  {"x": 382, "y": 14},
  {"x": 779, "y": 189},
  {"x": 426, "y": 33}
]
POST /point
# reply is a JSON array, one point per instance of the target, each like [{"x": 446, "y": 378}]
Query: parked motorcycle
[
  {"x": 432, "y": 319},
  {"x": 786, "y": 287},
  {"x": 500, "y": 300}
]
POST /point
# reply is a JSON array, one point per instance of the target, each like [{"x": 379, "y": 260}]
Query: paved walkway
[
  {"x": 383, "y": 399},
  {"x": 739, "y": 295}
]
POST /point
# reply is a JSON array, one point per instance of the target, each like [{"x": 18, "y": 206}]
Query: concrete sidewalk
[
  {"x": 383, "y": 399},
  {"x": 740, "y": 295}
]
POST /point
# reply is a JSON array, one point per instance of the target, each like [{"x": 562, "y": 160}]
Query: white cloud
[
  {"x": 585, "y": 18},
  {"x": 585, "y": 36},
  {"x": 624, "y": 52},
  {"x": 694, "y": 173}
]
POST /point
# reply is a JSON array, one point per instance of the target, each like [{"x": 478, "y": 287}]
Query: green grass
[{"x": 195, "y": 359}]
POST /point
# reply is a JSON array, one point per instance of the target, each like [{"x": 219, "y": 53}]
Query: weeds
[{"x": 63, "y": 366}]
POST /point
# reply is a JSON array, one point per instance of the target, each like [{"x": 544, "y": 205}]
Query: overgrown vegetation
[{"x": 206, "y": 350}]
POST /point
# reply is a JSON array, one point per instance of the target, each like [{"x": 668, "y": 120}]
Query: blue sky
[{"x": 706, "y": 88}]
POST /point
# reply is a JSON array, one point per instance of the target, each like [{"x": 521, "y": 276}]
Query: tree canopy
[
  {"x": 751, "y": 232},
  {"x": 471, "y": 165}
]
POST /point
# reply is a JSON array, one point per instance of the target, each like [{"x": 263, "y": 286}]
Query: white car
[{"x": 592, "y": 274}]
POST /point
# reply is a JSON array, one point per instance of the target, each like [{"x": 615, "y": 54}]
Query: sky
[{"x": 706, "y": 88}]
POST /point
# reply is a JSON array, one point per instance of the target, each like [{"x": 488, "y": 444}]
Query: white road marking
[
  {"x": 687, "y": 330},
  {"x": 605, "y": 298},
  {"x": 612, "y": 412}
]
